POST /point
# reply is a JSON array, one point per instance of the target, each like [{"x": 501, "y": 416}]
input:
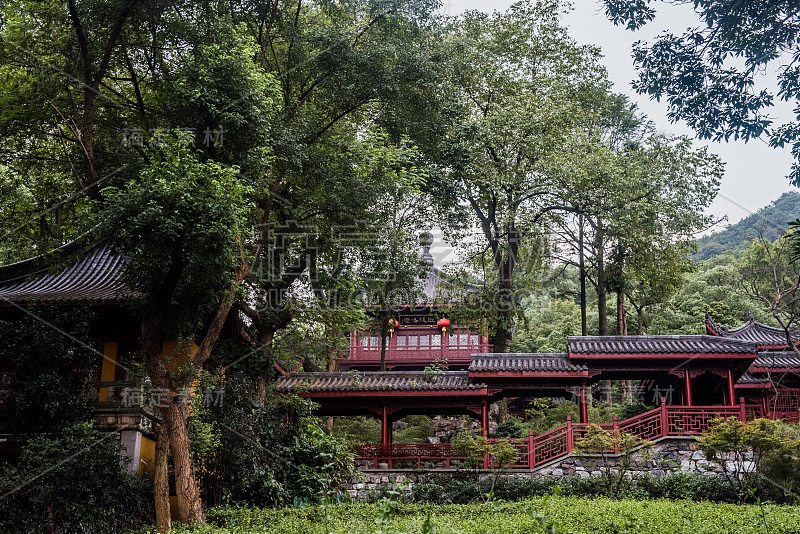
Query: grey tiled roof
[
  {"x": 579, "y": 345},
  {"x": 749, "y": 378},
  {"x": 75, "y": 273},
  {"x": 752, "y": 330},
  {"x": 523, "y": 362},
  {"x": 787, "y": 359},
  {"x": 376, "y": 381}
]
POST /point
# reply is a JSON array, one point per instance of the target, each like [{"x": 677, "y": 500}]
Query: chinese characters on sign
[{"x": 416, "y": 320}]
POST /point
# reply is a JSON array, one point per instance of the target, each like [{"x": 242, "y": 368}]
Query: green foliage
[
  {"x": 48, "y": 372},
  {"x": 546, "y": 414},
  {"x": 270, "y": 454},
  {"x": 768, "y": 275},
  {"x": 614, "y": 472},
  {"x": 417, "y": 431},
  {"x": 714, "y": 287},
  {"x": 677, "y": 486},
  {"x": 72, "y": 481},
  {"x": 755, "y": 455},
  {"x": 435, "y": 370},
  {"x": 521, "y": 84},
  {"x": 357, "y": 429},
  {"x": 547, "y": 325},
  {"x": 768, "y": 222},
  {"x": 512, "y": 428},
  {"x": 568, "y": 515},
  {"x": 709, "y": 75},
  {"x": 179, "y": 222},
  {"x": 476, "y": 448}
]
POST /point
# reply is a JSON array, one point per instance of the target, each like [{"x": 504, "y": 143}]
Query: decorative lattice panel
[
  {"x": 685, "y": 421},
  {"x": 550, "y": 445},
  {"x": 647, "y": 425}
]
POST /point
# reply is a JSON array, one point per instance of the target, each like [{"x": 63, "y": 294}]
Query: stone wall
[
  {"x": 667, "y": 455},
  {"x": 670, "y": 454}
]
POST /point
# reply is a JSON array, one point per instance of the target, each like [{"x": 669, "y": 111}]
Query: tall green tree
[
  {"x": 521, "y": 84},
  {"x": 708, "y": 75},
  {"x": 766, "y": 275}
]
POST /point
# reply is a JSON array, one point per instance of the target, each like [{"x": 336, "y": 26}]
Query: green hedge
[
  {"x": 568, "y": 514},
  {"x": 460, "y": 489}
]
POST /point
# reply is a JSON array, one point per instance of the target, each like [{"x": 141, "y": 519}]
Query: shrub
[
  {"x": 691, "y": 486},
  {"x": 632, "y": 409},
  {"x": 674, "y": 486},
  {"x": 615, "y": 474},
  {"x": 510, "y": 429},
  {"x": 566, "y": 514},
  {"x": 73, "y": 482},
  {"x": 270, "y": 455},
  {"x": 753, "y": 455}
]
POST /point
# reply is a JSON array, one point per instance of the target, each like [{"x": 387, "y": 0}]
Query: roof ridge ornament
[
  {"x": 426, "y": 240},
  {"x": 712, "y": 328}
]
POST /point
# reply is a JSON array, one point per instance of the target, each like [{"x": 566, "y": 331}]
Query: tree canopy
[{"x": 709, "y": 74}]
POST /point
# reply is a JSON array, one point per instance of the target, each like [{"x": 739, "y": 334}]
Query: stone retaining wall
[{"x": 668, "y": 454}]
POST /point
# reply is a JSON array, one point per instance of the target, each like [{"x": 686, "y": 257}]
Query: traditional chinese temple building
[
  {"x": 418, "y": 339},
  {"x": 744, "y": 372},
  {"x": 89, "y": 274},
  {"x": 773, "y": 379}
]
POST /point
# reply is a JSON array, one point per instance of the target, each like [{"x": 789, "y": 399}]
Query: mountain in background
[{"x": 770, "y": 222}]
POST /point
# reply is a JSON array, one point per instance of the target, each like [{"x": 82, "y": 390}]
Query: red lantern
[
  {"x": 443, "y": 324},
  {"x": 393, "y": 323}
]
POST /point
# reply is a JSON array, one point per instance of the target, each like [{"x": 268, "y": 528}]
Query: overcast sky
[{"x": 755, "y": 174}]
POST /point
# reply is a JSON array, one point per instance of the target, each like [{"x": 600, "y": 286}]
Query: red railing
[
  {"x": 537, "y": 450},
  {"x": 785, "y": 404},
  {"x": 428, "y": 345}
]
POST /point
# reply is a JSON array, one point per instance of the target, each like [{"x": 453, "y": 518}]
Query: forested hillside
[{"x": 769, "y": 222}]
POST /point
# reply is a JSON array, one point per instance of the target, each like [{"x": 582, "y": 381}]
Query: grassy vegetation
[{"x": 567, "y": 514}]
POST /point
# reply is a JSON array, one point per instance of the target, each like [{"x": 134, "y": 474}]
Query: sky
[{"x": 755, "y": 174}]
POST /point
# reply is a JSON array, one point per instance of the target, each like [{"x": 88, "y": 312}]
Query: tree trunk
[
  {"x": 87, "y": 140},
  {"x": 161, "y": 481},
  {"x": 333, "y": 349},
  {"x": 639, "y": 322},
  {"x": 190, "y": 509},
  {"x": 622, "y": 322},
  {"x": 384, "y": 332},
  {"x": 602, "y": 305},
  {"x": 582, "y": 275},
  {"x": 602, "y": 328},
  {"x": 265, "y": 367},
  {"x": 501, "y": 337}
]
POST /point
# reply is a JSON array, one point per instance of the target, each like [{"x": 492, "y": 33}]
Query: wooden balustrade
[
  {"x": 428, "y": 345},
  {"x": 534, "y": 451}
]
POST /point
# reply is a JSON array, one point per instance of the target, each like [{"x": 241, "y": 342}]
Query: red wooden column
[
  {"x": 584, "y": 405},
  {"x": 386, "y": 429},
  {"x": 570, "y": 435},
  {"x": 731, "y": 392},
  {"x": 664, "y": 417},
  {"x": 532, "y": 450},
  {"x": 445, "y": 345},
  {"x": 485, "y": 416},
  {"x": 687, "y": 386}
]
